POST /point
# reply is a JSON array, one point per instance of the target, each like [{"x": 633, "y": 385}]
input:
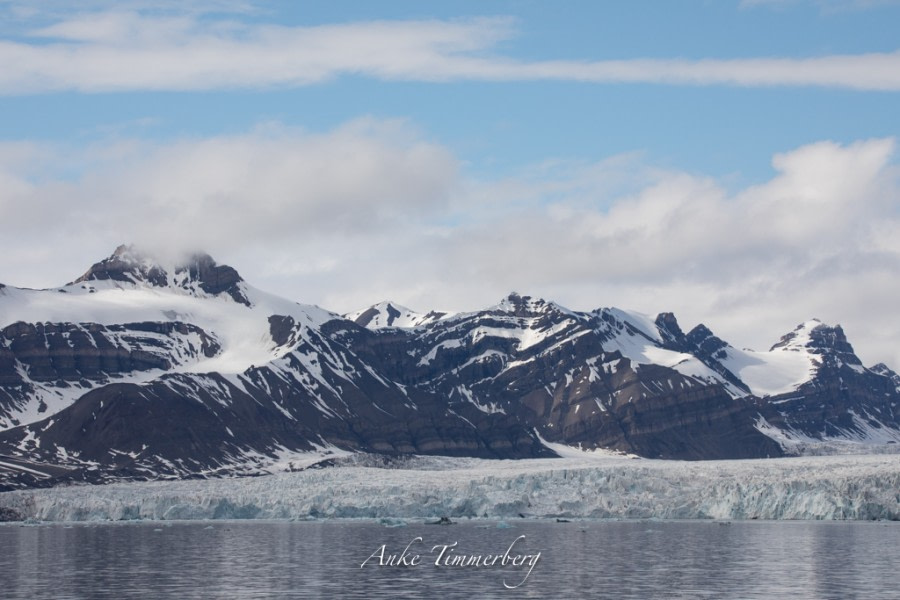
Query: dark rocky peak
[
  {"x": 131, "y": 265},
  {"x": 700, "y": 332},
  {"x": 706, "y": 342},
  {"x": 526, "y": 306},
  {"x": 127, "y": 265},
  {"x": 614, "y": 321},
  {"x": 711, "y": 350},
  {"x": 798, "y": 337},
  {"x": 701, "y": 342},
  {"x": 828, "y": 343},
  {"x": 816, "y": 337},
  {"x": 514, "y": 303},
  {"x": 885, "y": 371},
  {"x": 668, "y": 328},
  {"x": 212, "y": 278},
  {"x": 825, "y": 338},
  {"x": 391, "y": 314}
]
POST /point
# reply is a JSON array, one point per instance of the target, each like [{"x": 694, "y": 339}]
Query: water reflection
[{"x": 233, "y": 559}]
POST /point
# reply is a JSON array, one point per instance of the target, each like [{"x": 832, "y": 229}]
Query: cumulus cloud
[
  {"x": 271, "y": 184},
  {"x": 374, "y": 210},
  {"x": 124, "y": 50},
  {"x": 812, "y": 241}
]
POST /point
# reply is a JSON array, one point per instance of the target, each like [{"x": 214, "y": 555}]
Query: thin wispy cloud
[{"x": 132, "y": 51}]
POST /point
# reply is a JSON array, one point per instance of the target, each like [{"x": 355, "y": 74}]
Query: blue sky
[
  {"x": 496, "y": 125},
  {"x": 733, "y": 162}
]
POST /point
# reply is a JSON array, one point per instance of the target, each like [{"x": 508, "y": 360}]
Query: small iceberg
[{"x": 390, "y": 522}]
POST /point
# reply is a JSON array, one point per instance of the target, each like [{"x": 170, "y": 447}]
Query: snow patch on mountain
[
  {"x": 487, "y": 408},
  {"x": 637, "y": 322},
  {"x": 778, "y": 371},
  {"x": 866, "y": 436},
  {"x": 799, "y": 339},
  {"x": 242, "y": 331},
  {"x": 49, "y": 399},
  {"x": 433, "y": 352},
  {"x": 638, "y": 339}
]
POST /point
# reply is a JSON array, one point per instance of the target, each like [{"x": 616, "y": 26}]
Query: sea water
[{"x": 472, "y": 559}]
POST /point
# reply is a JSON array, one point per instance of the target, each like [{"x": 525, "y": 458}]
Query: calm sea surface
[{"x": 616, "y": 560}]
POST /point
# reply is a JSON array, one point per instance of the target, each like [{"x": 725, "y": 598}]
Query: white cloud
[
  {"x": 272, "y": 185},
  {"x": 372, "y": 210},
  {"x": 124, "y": 50}
]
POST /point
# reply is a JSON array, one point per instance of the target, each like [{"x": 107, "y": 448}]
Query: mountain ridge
[{"x": 138, "y": 370}]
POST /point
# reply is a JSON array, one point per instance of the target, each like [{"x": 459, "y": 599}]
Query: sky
[{"x": 734, "y": 162}]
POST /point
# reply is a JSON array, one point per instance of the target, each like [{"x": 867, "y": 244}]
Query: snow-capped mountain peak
[
  {"x": 518, "y": 305},
  {"x": 799, "y": 337},
  {"x": 197, "y": 272},
  {"x": 236, "y": 325},
  {"x": 128, "y": 265},
  {"x": 815, "y": 336},
  {"x": 822, "y": 342},
  {"x": 885, "y": 371},
  {"x": 391, "y": 314}
]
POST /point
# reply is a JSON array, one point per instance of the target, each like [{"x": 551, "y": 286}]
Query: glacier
[{"x": 587, "y": 485}]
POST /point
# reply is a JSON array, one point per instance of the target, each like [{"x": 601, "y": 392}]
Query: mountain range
[{"x": 142, "y": 370}]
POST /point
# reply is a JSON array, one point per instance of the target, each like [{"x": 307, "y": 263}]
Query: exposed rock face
[
  {"x": 701, "y": 343},
  {"x": 283, "y": 329},
  {"x": 844, "y": 399},
  {"x": 129, "y": 265},
  {"x": 390, "y": 314},
  {"x": 212, "y": 278},
  {"x": 45, "y": 361},
  {"x": 564, "y": 385},
  {"x": 366, "y": 317},
  {"x": 71, "y": 352},
  {"x": 883, "y": 370},
  {"x": 183, "y": 425}
]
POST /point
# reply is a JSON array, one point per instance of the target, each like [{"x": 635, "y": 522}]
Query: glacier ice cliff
[{"x": 578, "y": 486}]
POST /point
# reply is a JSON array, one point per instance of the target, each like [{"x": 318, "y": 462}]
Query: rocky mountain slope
[{"x": 140, "y": 370}]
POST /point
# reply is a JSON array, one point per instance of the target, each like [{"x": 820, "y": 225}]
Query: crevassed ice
[{"x": 579, "y": 485}]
